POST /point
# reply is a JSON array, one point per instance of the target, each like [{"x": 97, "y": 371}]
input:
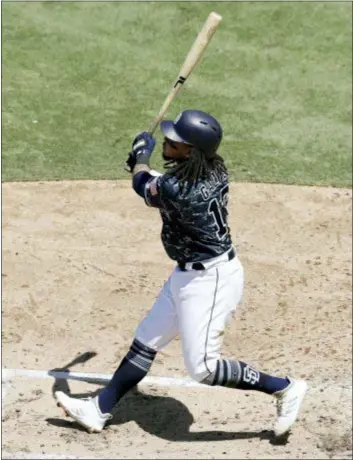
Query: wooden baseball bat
[{"x": 193, "y": 57}]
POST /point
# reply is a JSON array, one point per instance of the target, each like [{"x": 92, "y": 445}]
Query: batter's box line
[
  {"x": 96, "y": 378},
  {"x": 9, "y": 374}
]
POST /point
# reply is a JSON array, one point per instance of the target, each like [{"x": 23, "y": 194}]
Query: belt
[{"x": 200, "y": 266}]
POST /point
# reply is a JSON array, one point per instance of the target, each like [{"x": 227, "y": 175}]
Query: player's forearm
[
  {"x": 140, "y": 167},
  {"x": 140, "y": 176}
]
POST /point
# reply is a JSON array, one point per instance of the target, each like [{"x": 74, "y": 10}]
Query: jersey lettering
[
  {"x": 204, "y": 192},
  {"x": 194, "y": 218},
  {"x": 214, "y": 208}
]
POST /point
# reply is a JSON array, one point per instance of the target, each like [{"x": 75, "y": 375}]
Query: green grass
[{"x": 79, "y": 80}]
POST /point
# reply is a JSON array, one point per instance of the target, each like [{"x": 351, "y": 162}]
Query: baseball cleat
[
  {"x": 288, "y": 404},
  {"x": 86, "y": 412}
]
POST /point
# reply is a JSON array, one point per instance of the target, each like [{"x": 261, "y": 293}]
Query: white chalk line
[
  {"x": 8, "y": 374},
  {"x": 97, "y": 378}
]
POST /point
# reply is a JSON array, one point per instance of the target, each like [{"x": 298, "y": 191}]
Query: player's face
[{"x": 175, "y": 150}]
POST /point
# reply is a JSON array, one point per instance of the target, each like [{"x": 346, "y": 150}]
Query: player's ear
[{"x": 188, "y": 151}]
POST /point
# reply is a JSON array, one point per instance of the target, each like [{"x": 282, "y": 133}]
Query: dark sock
[
  {"x": 131, "y": 371},
  {"x": 236, "y": 374}
]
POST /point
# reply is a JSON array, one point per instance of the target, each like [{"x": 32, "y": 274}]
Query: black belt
[{"x": 200, "y": 266}]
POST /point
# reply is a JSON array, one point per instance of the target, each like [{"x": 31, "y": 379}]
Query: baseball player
[{"x": 203, "y": 290}]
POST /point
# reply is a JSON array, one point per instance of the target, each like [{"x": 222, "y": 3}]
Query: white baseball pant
[{"x": 197, "y": 305}]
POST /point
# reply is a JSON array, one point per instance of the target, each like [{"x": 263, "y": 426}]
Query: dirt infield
[{"x": 82, "y": 263}]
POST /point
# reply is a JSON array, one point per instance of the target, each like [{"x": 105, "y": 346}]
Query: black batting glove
[{"x": 130, "y": 162}]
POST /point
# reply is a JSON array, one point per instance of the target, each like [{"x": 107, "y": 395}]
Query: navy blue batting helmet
[{"x": 195, "y": 128}]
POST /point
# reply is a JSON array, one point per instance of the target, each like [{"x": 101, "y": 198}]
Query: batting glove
[
  {"x": 130, "y": 162},
  {"x": 142, "y": 147}
]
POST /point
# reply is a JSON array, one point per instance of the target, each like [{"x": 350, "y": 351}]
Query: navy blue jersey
[{"x": 195, "y": 218}]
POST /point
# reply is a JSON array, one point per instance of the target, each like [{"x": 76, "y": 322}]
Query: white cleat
[
  {"x": 288, "y": 404},
  {"x": 86, "y": 412}
]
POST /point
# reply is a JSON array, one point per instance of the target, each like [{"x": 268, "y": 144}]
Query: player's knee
[{"x": 202, "y": 371}]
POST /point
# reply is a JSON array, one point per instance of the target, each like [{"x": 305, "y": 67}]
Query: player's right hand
[{"x": 130, "y": 162}]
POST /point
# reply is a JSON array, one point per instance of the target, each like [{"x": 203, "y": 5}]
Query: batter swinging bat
[{"x": 193, "y": 57}]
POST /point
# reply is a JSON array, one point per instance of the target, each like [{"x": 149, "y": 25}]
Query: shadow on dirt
[
  {"x": 62, "y": 384},
  {"x": 161, "y": 416},
  {"x": 170, "y": 419},
  {"x": 166, "y": 418}
]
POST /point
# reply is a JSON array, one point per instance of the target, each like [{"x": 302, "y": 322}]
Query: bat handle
[
  {"x": 153, "y": 126},
  {"x": 167, "y": 102}
]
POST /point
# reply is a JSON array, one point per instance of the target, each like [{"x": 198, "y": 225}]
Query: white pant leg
[
  {"x": 205, "y": 301},
  {"x": 160, "y": 325}
]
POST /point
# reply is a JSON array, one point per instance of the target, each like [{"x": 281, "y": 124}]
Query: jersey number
[{"x": 214, "y": 209}]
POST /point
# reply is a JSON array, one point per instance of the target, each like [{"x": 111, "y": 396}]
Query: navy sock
[
  {"x": 131, "y": 371},
  {"x": 237, "y": 374}
]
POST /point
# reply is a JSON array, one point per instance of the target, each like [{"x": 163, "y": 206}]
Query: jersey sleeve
[
  {"x": 159, "y": 190},
  {"x": 152, "y": 194}
]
